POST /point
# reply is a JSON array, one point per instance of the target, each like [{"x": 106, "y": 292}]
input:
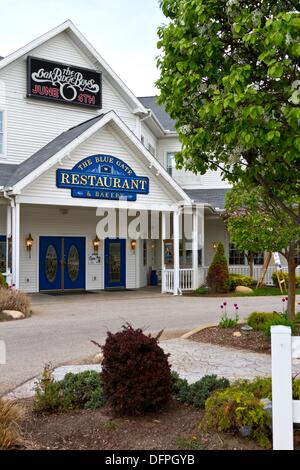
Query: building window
[
  {"x": 144, "y": 252},
  {"x": 236, "y": 256},
  {"x": 170, "y": 163},
  {"x": 2, "y": 130},
  {"x": 2, "y": 254},
  {"x": 259, "y": 258},
  {"x": 151, "y": 149},
  {"x": 143, "y": 140}
]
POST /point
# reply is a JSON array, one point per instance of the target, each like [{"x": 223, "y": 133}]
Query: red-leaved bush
[{"x": 136, "y": 374}]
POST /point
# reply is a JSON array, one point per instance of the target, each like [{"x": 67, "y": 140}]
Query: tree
[
  {"x": 254, "y": 225},
  {"x": 230, "y": 74},
  {"x": 218, "y": 275}
]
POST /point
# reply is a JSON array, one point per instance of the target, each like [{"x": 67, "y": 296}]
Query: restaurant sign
[
  {"x": 102, "y": 177},
  {"x": 63, "y": 83}
]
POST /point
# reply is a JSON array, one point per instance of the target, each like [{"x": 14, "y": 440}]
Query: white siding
[
  {"x": 187, "y": 179},
  {"x": 33, "y": 123},
  {"x": 149, "y": 138},
  {"x": 104, "y": 141}
]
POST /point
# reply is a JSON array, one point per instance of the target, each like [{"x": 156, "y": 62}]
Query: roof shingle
[
  {"x": 53, "y": 147},
  {"x": 150, "y": 102}
]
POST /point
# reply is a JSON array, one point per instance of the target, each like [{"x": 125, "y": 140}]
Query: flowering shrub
[{"x": 225, "y": 321}]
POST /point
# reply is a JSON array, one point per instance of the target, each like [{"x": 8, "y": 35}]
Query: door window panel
[{"x": 51, "y": 264}]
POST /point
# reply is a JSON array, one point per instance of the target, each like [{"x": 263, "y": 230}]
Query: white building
[{"x": 74, "y": 139}]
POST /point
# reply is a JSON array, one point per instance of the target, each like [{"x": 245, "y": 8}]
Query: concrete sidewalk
[{"x": 62, "y": 327}]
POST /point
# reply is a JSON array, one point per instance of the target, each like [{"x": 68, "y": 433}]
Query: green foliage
[
  {"x": 3, "y": 282},
  {"x": 228, "y": 77},
  {"x": 298, "y": 317},
  {"x": 197, "y": 393},
  {"x": 136, "y": 373},
  {"x": 226, "y": 322},
  {"x": 232, "y": 409},
  {"x": 239, "y": 280},
  {"x": 286, "y": 278},
  {"x": 282, "y": 320},
  {"x": 83, "y": 390},
  {"x": 218, "y": 275},
  {"x": 258, "y": 320},
  {"x": 261, "y": 387},
  {"x": 192, "y": 443},
  {"x": 177, "y": 382},
  {"x": 201, "y": 291}
]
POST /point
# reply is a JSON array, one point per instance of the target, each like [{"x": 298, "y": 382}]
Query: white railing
[
  {"x": 186, "y": 279},
  {"x": 285, "y": 410},
  {"x": 244, "y": 271},
  {"x": 168, "y": 281}
]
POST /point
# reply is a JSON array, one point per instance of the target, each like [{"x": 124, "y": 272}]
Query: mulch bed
[
  {"x": 175, "y": 427},
  {"x": 253, "y": 341}
]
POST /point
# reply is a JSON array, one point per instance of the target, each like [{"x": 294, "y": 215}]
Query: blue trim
[{"x": 122, "y": 283}]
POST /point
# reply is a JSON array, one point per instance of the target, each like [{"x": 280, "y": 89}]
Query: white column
[
  {"x": 8, "y": 235},
  {"x": 282, "y": 395},
  {"x": 195, "y": 245},
  {"x": 163, "y": 237},
  {"x": 16, "y": 244},
  {"x": 176, "y": 218}
]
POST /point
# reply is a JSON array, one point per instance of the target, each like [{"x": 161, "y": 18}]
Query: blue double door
[
  {"x": 115, "y": 263},
  {"x": 62, "y": 263}
]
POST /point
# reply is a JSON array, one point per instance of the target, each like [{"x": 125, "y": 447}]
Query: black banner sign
[{"x": 63, "y": 83}]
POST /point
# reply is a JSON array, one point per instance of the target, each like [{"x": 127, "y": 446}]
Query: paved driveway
[{"x": 61, "y": 328}]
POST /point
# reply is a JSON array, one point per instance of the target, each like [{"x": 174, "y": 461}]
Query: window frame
[
  {"x": 3, "y": 153},
  {"x": 3, "y": 238},
  {"x": 172, "y": 167},
  {"x": 238, "y": 256}
]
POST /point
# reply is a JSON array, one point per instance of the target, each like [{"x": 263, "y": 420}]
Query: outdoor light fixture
[
  {"x": 133, "y": 244},
  {"x": 215, "y": 245},
  {"x": 96, "y": 243},
  {"x": 29, "y": 243}
]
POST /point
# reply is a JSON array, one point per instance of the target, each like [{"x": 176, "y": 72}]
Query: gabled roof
[
  {"x": 57, "y": 149},
  {"x": 159, "y": 111},
  {"x": 53, "y": 147},
  {"x": 213, "y": 197},
  {"x": 91, "y": 52},
  {"x": 6, "y": 171}
]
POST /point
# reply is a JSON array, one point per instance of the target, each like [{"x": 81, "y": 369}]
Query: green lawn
[
  {"x": 257, "y": 292},
  {"x": 263, "y": 291}
]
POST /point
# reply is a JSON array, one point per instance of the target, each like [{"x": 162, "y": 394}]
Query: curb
[{"x": 202, "y": 327}]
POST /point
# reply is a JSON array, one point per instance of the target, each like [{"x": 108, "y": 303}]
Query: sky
[{"x": 124, "y": 32}]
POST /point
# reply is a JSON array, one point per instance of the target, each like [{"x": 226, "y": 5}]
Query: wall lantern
[
  {"x": 133, "y": 244},
  {"x": 96, "y": 243},
  {"x": 215, "y": 245},
  {"x": 29, "y": 243}
]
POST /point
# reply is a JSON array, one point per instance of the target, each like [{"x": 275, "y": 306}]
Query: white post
[
  {"x": 163, "y": 236},
  {"x": 16, "y": 244},
  {"x": 8, "y": 236},
  {"x": 195, "y": 249},
  {"x": 282, "y": 395},
  {"x": 176, "y": 218}
]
